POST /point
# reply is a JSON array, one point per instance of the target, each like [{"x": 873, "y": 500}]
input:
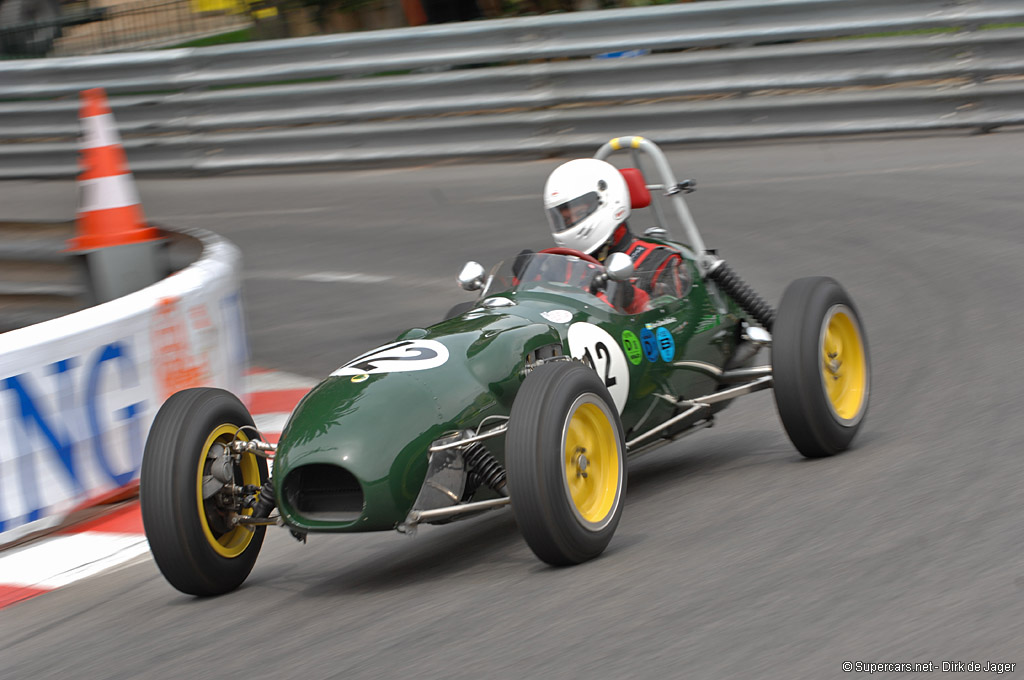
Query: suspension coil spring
[
  {"x": 743, "y": 294},
  {"x": 484, "y": 467},
  {"x": 267, "y": 500}
]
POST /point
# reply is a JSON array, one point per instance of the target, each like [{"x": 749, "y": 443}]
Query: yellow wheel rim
[
  {"x": 593, "y": 462},
  {"x": 844, "y": 365},
  {"x": 233, "y": 542}
]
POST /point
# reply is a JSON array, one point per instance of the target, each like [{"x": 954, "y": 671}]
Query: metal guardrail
[{"x": 732, "y": 69}]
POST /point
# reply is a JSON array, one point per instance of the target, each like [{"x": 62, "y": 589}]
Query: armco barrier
[
  {"x": 78, "y": 393},
  {"x": 771, "y": 68}
]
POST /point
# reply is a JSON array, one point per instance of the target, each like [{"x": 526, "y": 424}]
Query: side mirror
[
  {"x": 619, "y": 267},
  {"x": 472, "y": 276}
]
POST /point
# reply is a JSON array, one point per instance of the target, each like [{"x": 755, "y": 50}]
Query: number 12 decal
[
  {"x": 602, "y": 354},
  {"x": 398, "y": 357},
  {"x": 598, "y": 349}
]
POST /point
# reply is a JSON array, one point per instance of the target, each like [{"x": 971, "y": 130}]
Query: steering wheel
[{"x": 573, "y": 252}]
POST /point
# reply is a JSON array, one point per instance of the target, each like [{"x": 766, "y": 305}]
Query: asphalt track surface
[{"x": 735, "y": 557}]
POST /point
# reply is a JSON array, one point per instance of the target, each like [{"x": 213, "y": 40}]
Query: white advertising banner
[{"x": 79, "y": 393}]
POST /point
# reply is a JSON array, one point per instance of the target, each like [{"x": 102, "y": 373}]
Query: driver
[{"x": 587, "y": 203}]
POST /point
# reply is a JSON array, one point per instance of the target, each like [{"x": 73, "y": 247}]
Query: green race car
[{"x": 535, "y": 396}]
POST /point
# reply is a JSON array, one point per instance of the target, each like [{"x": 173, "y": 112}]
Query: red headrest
[{"x": 639, "y": 196}]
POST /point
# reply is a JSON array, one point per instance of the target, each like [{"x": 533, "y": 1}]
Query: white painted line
[
  {"x": 501, "y": 199},
  {"x": 336, "y": 277},
  {"x": 852, "y": 173},
  {"x": 270, "y": 423},
  {"x": 271, "y": 381},
  {"x": 17, "y": 533},
  {"x": 60, "y": 560},
  {"x": 318, "y": 277},
  {"x": 250, "y": 213}
]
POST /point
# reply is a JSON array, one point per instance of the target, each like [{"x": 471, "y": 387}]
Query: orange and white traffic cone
[
  {"x": 109, "y": 210},
  {"x": 120, "y": 251}
]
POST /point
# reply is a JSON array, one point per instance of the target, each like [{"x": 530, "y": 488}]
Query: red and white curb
[{"x": 89, "y": 548}]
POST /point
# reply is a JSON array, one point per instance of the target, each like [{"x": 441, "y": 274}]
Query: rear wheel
[
  {"x": 821, "y": 367},
  {"x": 188, "y": 509},
  {"x": 566, "y": 463}
]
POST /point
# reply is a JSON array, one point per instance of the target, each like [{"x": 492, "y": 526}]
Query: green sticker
[{"x": 631, "y": 344}]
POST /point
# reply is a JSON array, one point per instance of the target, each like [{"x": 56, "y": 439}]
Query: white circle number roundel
[
  {"x": 598, "y": 349},
  {"x": 398, "y": 357}
]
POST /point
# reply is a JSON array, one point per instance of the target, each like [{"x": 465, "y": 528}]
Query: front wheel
[
  {"x": 566, "y": 463},
  {"x": 192, "y": 488},
  {"x": 821, "y": 368}
]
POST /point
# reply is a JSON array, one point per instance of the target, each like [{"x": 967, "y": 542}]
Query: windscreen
[
  {"x": 550, "y": 273},
  {"x": 541, "y": 271}
]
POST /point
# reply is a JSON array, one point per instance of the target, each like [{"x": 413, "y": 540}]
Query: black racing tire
[
  {"x": 563, "y": 423},
  {"x": 821, "y": 366},
  {"x": 40, "y": 18},
  {"x": 459, "y": 309},
  {"x": 193, "y": 547}
]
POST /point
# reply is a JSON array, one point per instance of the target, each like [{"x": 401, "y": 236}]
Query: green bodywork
[{"x": 379, "y": 427}]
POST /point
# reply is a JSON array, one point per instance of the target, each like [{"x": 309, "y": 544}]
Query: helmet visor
[{"x": 567, "y": 215}]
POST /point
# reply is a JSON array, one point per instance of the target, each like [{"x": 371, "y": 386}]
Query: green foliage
[{"x": 243, "y": 35}]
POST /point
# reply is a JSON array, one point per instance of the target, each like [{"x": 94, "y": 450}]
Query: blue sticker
[
  {"x": 649, "y": 344},
  {"x": 666, "y": 345}
]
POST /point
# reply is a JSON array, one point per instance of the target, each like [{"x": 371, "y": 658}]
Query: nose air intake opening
[{"x": 324, "y": 492}]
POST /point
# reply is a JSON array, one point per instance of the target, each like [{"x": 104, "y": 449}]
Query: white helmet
[{"x": 585, "y": 200}]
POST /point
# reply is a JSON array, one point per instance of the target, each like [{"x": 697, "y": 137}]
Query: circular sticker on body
[
  {"x": 397, "y": 357},
  {"x": 598, "y": 349},
  {"x": 666, "y": 345},
  {"x": 558, "y": 316},
  {"x": 631, "y": 344},
  {"x": 649, "y": 345}
]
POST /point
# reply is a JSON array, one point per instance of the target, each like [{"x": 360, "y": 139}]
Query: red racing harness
[{"x": 650, "y": 260}]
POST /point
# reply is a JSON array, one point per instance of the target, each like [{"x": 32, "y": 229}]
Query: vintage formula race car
[{"x": 536, "y": 396}]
